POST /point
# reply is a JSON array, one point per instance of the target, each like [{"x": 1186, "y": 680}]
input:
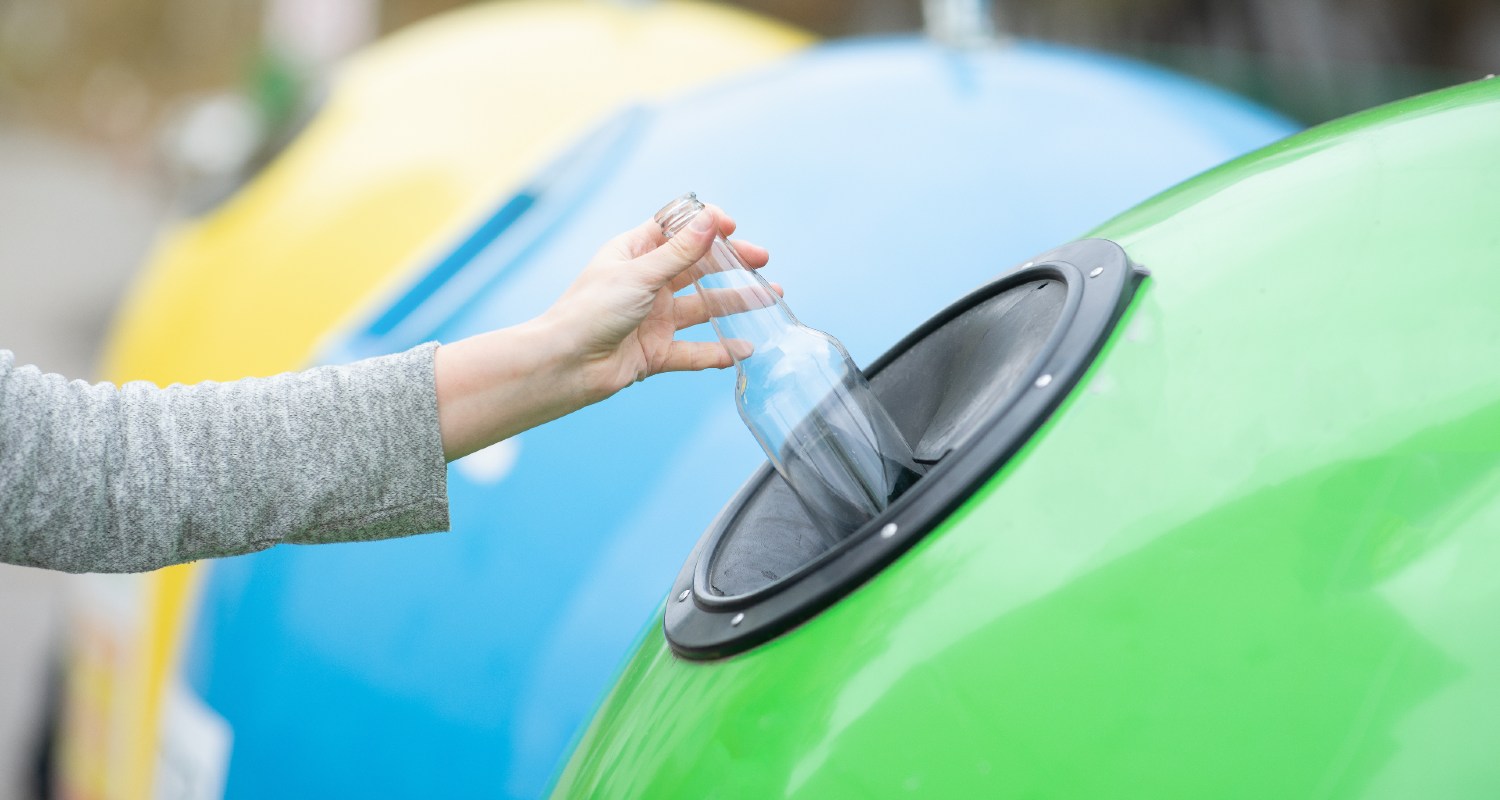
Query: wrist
[
  {"x": 556, "y": 363},
  {"x": 581, "y": 373},
  {"x": 497, "y": 384}
]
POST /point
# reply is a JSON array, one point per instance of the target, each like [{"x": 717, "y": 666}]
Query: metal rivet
[
  {"x": 1097, "y": 272},
  {"x": 1042, "y": 382},
  {"x": 888, "y": 531},
  {"x": 683, "y": 595},
  {"x": 738, "y": 618}
]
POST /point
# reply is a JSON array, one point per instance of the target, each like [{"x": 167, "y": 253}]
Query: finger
[
  {"x": 696, "y": 308},
  {"x": 663, "y": 265},
  {"x": 753, "y": 255},
  {"x": 647, "y": 236},
  {"x": 694, "y": 356},
  {"x": 637, "y": 241},
  {"x": 684, "y": 278},
  {"x": 726, "y": 222}
]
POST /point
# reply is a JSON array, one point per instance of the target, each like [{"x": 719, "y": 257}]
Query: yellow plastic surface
[{"x": 419, "y": 136}]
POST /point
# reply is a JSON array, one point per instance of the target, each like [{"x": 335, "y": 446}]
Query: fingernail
[{"x": 702, "y": 222}]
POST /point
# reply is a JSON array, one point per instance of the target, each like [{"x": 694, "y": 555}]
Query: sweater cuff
[{"x": 405, "y": 389}]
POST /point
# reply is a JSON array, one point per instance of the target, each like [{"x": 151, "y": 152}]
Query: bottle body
[
  {"x": 823, "y": 429},
  {"x": 800, "y": 394}
]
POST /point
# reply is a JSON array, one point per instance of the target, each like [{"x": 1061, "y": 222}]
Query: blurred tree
[
  {"x": 110, "y": 68},
  {"x": 1312, "y": 59},
  {"x": 103, "y": 69}
]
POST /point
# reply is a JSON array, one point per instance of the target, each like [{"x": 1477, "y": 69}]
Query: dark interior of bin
[{"x": 939, "y": 392}]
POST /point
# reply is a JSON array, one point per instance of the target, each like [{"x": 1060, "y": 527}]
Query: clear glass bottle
[{"x": 801, "y": 395}]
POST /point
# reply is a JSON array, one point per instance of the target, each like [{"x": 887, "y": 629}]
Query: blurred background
[{"x": 117, "y": 116}]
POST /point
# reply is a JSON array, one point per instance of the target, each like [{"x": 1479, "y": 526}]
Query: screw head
[
  {"x": 1044, "y": 381},
  {"x": 738, "y": 618},
  {"x": 888, "y": 531},
  {"x": 1097, "y": 272},
  {"x": 683, "y": 595}
]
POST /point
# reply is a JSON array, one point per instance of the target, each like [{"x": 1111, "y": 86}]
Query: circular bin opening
[
  {"x": 936, "y": 392},
  {"x": 967, "y": 389}
]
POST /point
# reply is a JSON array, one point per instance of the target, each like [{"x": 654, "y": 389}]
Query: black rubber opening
[
  {"x": 937, "y": 392},
  {"x": 966, "y": 389}
]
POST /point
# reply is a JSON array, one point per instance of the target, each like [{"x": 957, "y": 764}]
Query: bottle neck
[{"x": 742, "y": 305}]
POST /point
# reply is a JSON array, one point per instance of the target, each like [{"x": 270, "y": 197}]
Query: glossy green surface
[{"x": 1255, "y": 554}]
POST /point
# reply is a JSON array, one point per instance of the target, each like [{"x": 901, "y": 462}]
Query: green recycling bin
[{"x": 1215, "y": 512}]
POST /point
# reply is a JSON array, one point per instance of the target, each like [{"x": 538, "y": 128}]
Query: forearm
[
  {"x": 99, "y": 478},
  {"x": 495, "y": 385}
]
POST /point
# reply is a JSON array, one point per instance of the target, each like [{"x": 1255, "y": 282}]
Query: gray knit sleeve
[{"x": 123, "y": 479}]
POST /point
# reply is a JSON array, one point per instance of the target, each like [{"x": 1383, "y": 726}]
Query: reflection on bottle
[{"x": 800, "y": 394}]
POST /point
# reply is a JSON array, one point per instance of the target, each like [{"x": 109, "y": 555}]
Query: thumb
[{"x": 680, "y": 252}]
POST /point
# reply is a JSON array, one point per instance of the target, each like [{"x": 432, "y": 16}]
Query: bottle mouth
[{"x": 674, "y": 215}]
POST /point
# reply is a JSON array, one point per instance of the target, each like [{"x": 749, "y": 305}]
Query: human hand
[
  {"x": 615, "y": 325},
  {"x": 620, "y": 316}
]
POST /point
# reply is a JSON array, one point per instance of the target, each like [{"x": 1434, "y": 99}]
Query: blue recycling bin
[{"x": 886, "y": 177}]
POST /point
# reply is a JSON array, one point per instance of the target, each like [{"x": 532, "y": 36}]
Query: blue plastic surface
[{"x": 886, "y": 177}]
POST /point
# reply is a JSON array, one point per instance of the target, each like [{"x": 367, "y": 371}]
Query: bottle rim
[{"x": 676, "y": 214}]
